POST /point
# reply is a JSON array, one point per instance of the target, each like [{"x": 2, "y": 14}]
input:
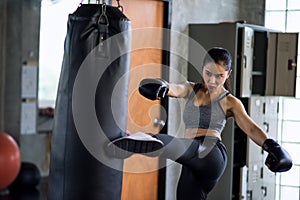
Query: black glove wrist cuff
[
  {"x": 268, "y": 144},
  {"x": 163, "y": 92}
]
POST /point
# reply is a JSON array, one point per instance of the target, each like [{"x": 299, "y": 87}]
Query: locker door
[
  {"x": 271, "y": 116},
  {"x": 271, "y": 123},
  {"x": 257, "y": 109},
  {"x": 285, "y": 79},
  {"x": 254, "y": 152},
  {"x": 246, "y": 61}
]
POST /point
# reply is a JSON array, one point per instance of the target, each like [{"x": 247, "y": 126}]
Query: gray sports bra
[{"x": 210, "y": 116}]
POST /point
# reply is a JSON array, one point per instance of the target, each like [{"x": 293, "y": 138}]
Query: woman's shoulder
[
  {"x": 233, "y": 103},
  {"x": 231, "y": 99}
]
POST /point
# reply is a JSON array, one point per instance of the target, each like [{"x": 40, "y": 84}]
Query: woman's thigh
[{"x": 205, "y": 156}]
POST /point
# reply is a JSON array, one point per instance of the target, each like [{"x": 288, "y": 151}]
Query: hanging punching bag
[{"x": 91, "y": 105}]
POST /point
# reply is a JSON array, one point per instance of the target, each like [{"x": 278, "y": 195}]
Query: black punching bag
[{"x": 91, "y": 105}]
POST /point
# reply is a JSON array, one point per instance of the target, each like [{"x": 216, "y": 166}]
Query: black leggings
[{"x": 203, "y": 162}]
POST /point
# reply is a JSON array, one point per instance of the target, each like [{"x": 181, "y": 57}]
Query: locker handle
[
  {"x": 267, "y": 126},
  {"x": 249, "y": 194},
  {"x": 264, "y": 190},
  {"x": 291, "y": 64},
  {"x": 245, "y": 61}
]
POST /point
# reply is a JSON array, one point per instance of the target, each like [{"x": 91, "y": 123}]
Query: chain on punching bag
[{"x": 91, "y": 105}]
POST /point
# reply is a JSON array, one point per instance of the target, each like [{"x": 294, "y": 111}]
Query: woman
[{"x": 202, "y": 153}]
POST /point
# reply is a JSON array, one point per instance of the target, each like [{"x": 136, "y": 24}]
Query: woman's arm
[
  {"x": 244, "y": 121},
  {"x": 153, "y": 88},
  {"x": 181, "y": 90},
  {"x": 278, "y": 159}
]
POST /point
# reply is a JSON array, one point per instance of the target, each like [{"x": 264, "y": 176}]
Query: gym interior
[{"x": 51, "y": 144}]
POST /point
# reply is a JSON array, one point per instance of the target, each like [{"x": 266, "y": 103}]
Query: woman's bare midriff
[{"x": 198, "y": 132}]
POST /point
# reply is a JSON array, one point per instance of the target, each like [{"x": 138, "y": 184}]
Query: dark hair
[{"x": 221, "y": 56}]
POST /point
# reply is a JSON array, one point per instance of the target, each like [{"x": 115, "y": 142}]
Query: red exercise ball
[{"x": 10, "y": 160}]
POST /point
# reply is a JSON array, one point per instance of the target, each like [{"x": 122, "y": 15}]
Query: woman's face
[{"x": 215, "y": 75}]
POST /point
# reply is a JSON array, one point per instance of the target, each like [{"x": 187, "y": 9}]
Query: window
[
  {"x": 283, "y": 15},
  {"x": 53, "y": 30},
  {"x": 289, "y": 123}
]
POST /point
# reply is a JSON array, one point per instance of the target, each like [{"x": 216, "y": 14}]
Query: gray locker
[
  {"x": 261, "y": 181},
  {"x": 270, "y": 125},
  {"x": 264, "y": 60},
  {"x": 246, "y": 61},
  {"x": 254, "y": 152},
  {"x": 281, "y": 64},
  {"x": 285, "y": 80}
]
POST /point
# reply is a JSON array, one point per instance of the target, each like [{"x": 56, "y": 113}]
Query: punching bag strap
[
  {"x": 103, "y": 20},
  {"x": 119, "y": 5},
  {"x": 103, "y": 25}
]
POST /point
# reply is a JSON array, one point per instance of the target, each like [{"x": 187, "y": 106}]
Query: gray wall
[
  {"x": 198, "y": 11},
  {"x": 19, "y": 43},
  {"x": 2, "y": 60}
]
